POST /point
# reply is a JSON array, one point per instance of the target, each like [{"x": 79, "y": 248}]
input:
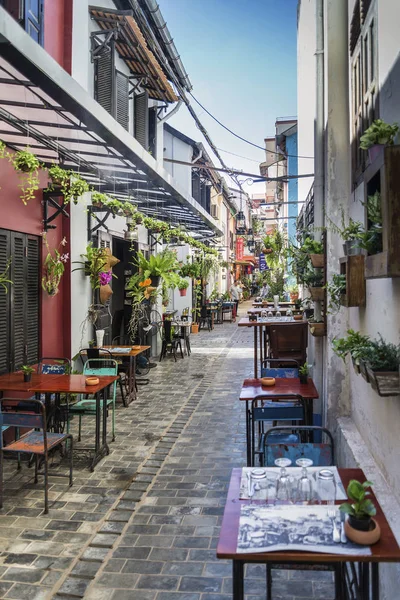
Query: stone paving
[{"x": 145, "y": 524}]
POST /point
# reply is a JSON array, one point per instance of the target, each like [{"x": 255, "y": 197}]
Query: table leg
[
  {"x": 248, "y": 445},
  {"x": 261, "y": 347},
  {"x": 363, "y": 570},
  {"x": 131, "y": 380},
  {"x": 255, "y": 352},
  {"x": 100, "y": 448},
  {"x": 237, "y": 580},
  {"x": 375, "y": 581}
]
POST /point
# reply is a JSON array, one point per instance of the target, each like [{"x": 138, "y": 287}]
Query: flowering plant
[
  {"x": 53, "y": 267},
  {"x": 145, "y": 283},
  {"x": 105, "y": 277}
]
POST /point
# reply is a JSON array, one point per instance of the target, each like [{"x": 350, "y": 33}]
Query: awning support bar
[{"x": 49, "y": 199}]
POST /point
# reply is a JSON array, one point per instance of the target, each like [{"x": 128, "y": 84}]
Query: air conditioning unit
[{"x": 215, "y": 211}]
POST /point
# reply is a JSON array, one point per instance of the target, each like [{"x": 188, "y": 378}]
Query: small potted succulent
[
  {"x": 183, "y": 286},
  {"x": 27, "y": 371},
  {"x": 303, "y": 373},
  {"x": 360, "y": 527},
  {"x": 378, "y": 135}
]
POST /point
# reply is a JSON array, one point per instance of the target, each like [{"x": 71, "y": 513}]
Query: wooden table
[
  {"x": 258, "y": 327},
  {"x": 252, "y": 388},
  {"x": 67, "y": 384},
  {"x": 132, "y": 353},
  {"x": 386, "y": 550},
  {"x": 258, "y": 311},
  {"x": 271, "y": 303}
]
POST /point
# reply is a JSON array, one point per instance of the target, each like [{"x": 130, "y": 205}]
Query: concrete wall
[
  {"x": 176, "y": 149},
  {"x": 291, "y": 149}
]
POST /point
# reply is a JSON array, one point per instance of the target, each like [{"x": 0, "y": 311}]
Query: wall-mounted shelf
[
  {"x": 353, "y": 267},
  {"x": 383, "y": 175}
]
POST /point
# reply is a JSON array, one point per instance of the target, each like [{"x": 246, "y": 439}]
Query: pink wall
[{"x": 54, "y": 29}]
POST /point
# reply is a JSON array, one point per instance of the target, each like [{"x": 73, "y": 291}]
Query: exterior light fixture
[{"x": 240, "y": 223}]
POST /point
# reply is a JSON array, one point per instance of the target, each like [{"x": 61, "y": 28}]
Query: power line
[
  {"x": 242, "y": 138},
  {"x": 239, "y": 155}
]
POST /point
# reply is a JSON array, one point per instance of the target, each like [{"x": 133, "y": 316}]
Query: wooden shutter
[
  {"x": 32, "y": 300},
  {"x": 34, "y": 19},
  {"x": 4, "y": 304},
  {"x": 122, "y": 99},
  {"x": 153, "y": 131},
  {"x": 104, "y": 80},
  {"x": 142, "y": 119},
  {"x": 18, "y": 304}
]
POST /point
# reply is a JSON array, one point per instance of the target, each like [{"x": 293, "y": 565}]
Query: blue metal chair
[
  {"x": 38, "y": 442},
  {"x": 283, "y": 407},
  {"x": 289, "y": 371},
  {"x": 322, "y": 454},
  {"x": 87, "y": 406}
]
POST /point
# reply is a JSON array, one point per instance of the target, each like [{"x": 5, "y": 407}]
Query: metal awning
[
  {"x": 132, "y": 48},
  {"x": 43, "y": 107}
]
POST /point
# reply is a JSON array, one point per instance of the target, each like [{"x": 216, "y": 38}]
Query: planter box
[
  {"x": 317, "y": 293},
  {"x": 353, "y": 267},
  {"x": 385, "y": 383},
  {"x": 317, "y": 260},
  {"x": 356, "y": 366},
  {"x": 317, "y": 329},
  {"x": 363, "y": 371}
]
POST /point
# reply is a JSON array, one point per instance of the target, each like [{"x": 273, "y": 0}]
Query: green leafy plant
[
  {"x": 4, "y": 277},
  {"x": 53, "y": 267},
  {"x": 77, "y": 188},
  {"x": 183, "y": 284},
  {"x": 311, "y": 246},
  {"x": 164, "y": 264},
  {"x": 335, "y": 288},
  {"x": 382, "y": 356},
  {"x": 378, "y": 132},
  {"x": 28, "y": 165},
  {"x": 99, "y": 199},
  {"x": 27, "y": 370},
  {"x": 355, "y": 344},
  {"x": 59, "y": 176},
  {"x": 92, "y": 263},
  {"x": 190, "y": 269},
  {"x": 371, "y": 240},
  {"x": 361, "y": 506},
  {"x": 304, "y": 370}
]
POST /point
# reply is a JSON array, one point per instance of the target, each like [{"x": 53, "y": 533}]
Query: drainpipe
[
  {"x": 171, "y": 112},
  {"x": 196, "y": 158},
  {"x": 319, "y": 147}
]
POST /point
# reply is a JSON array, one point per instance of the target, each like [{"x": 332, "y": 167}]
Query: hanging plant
[
  {"x": 28, "y": 165},
  {"x": 4, "y": 277},
  {"x": 99, "y": 200},
  {"x": 77, "y": 188},
  {"x": 92, "y": 263},
  {"x": 53, "y": 267},
  {"x": 59, "y": 176}
]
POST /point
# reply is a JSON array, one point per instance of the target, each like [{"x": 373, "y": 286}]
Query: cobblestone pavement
[{"x": 145, "y": 524}]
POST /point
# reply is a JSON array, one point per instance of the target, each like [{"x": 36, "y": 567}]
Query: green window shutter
[
  {"x": 122, "y": 99},
  {"x": 18, "y": 303},
  {"x": 32, "y": 300},
  {"x": 153, "y": 131},
  {"x": 104, "y": 80},
  {"x": 142, "y": 119},
  {"x": 4, "y": 304}
]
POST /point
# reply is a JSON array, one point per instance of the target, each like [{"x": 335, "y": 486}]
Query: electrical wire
[
  {"x": 242, "y": 138},
  {"x": 239, "y": 156}
]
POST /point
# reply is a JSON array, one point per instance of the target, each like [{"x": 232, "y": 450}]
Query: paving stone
[
  {"x": 142, "y": 566},
  {"x": 23, "y": 575},
  {"x": 19, "y": 591},
  {"x": 95, "y": 554},
  {"x": 111, "y": 527},
  {"x": 200, "y": 584},
  {"x": 20, "y": 559},
  {"x": 103, "y": 540},
  {"x": 118, "y": 580},
  {"x": 157, "y": 582},
  {"x": 74, "y": 587}
]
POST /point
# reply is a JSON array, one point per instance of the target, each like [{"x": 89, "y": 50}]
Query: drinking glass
[
  {"x": 289, "y": 313},
  {"x": 326, "y": 486},
  {"x": 263, "y": 315},
  {"x": 278, "y": 314},
  {"x": 270, "y": 314},
  {"x": 283, "y": 484},
  {"x": 304, "y": 484}
]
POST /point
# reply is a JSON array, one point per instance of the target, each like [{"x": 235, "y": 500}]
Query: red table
[
  {"x": 386, "y": 550},
  {"x": 67, "y": 384},
  {"x": 252, "y": 388},
  {"x": 258, "y": 326}
]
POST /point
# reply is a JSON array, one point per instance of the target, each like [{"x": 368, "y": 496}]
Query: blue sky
[{"x": 241, "y": 58}]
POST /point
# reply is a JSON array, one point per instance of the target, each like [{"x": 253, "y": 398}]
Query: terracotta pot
[
  {"x": 195, "y": 328},
  {"x": 183, "y": 292},
  {"x": 298, "y": 317},
  {"x": 294, "y": 297},
  {"x": 317, "y": 260},
  {"x": 364, "y": 538},
  {"x": 105, "y": 293},
  {"x": 317, "y": 293},
  {"x": 267, "y": 251}
]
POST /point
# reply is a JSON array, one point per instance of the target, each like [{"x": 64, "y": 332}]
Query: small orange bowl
[
  {"x": 267, "y": 381},
  {"x": 92, "y": 380},
  {"x": 298, "y": 317},
  {"x": 135, "y": 347}
]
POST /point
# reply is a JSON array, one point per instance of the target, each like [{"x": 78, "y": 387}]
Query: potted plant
[
  {"x": 28, "y": 164},
  {"x": 77, "y": 188},
  {"x": 93, "y": 262},
  {"x": 183, "y": 286},
  {"x": 160, "y": 266},
  {"x": 350, "y": 233},
  {"x": 336, "y": 289},
  {"x": 355, "y": 344},
  {"x": 53, "y": 267},
  {"x": 294, "y": 293},
  {"x": 317, "y": 328},
  {"x": 27, "y": 371},
  {"x": 382, "y": 360},
  {"x": 377, "y": 135},
  {"x": 315, "y": 250},
  {"x": 314, "y": 279},
  {"x": 303, "y": 373},
  {"x": 99, "y": 200},
  {"x": 360, "y": 527},
  {"x": 59, "y": 176}
]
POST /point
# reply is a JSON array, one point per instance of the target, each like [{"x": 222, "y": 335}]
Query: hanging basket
[
  {"x": 317, "y": 260},
  {"x": 105, "y": 293}
]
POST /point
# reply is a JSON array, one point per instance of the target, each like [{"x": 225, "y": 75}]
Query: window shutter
[
  {"x": 104, "y": 80},
  {"x": 4, "y": 303},
  {"x": 18, "y": 303},
  {"x": 196, "y": 191},
  {"x": 122, "y": 99},
  {"x": 34, "y": 19},
  {"x": 153, "y": 131},
  {"x": 32, "y": 300},
  {"x": 142, "y": 119},
  {"x": 15, "y": 8}
]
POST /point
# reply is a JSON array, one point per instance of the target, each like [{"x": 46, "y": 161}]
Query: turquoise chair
[
  {"x": 87, "y": 406},
  {"x": 289, "y": 371}
]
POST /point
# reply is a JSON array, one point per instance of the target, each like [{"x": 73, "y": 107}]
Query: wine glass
[
  {"x": 304, "y": 484},
  {"x": 289, "y": 313},
  {"x": 283, "y": 484}
]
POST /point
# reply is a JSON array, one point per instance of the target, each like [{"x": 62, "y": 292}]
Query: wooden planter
[
  {"x": 317, "y": 329},
  {"x": 356, "y": 366},
  {"x": 353, "y": 267},
  {"x": 363, "y": 371},
  {"x": 317, "y": 293},
  {"x": 385, "y": 383},
  {"x": 317, "y": 260}
]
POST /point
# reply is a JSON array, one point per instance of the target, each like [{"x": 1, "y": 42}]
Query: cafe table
[
  {"x": 66, "y": 384},
  {"x": 258, "y": 327},
  {"x": 185, "y": 333},
  {"x": 271, "y": 303},
  {"x": 252, "y": 388},
  {"x": 364, "y": 569},
  {"x": 131, "y": 352}
]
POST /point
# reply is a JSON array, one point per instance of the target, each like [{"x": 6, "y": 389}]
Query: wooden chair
[
  {"x": 87, "y": 406},
  {"x": 289, "y": 341},
  {"x": 38, "y": 442}
]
